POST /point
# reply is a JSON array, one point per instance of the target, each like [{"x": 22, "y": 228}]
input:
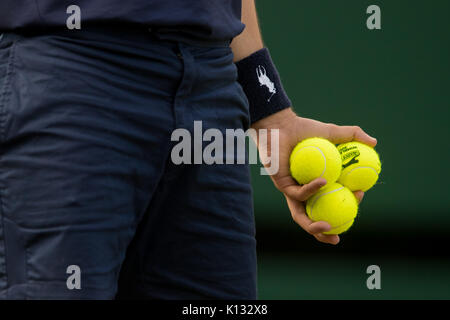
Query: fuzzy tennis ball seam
[
  {"x": 319, "y": 197},
  {"x": 334, "y": 204},
  {"x": 323, "y": 156},
  {"x": 322, "y": 195},
  {"x": 315, "y": 158},
  {"x": 361, "y": 166}
]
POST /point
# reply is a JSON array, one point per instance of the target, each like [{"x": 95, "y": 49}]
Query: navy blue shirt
[{"x": 205, "y": 20}]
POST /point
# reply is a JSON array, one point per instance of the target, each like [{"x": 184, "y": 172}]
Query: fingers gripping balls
[
  {"x": 349, "y": 167},
  {"x": 315, "y": 158},
  {"x": 360, "y": 166},
  {"x": 334, "y": 204}
]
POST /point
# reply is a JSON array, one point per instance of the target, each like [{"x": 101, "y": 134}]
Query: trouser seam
[
  {"x": 4, "y": 99},
  {"x": 5, "y": 93}
]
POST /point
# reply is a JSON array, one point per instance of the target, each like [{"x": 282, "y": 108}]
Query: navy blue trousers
[{"x": 86, "y": 177}]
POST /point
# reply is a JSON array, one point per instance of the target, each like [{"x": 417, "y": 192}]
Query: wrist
[
  {"x": 276, "y": 120},
  {"x": 262, "y": 85}
]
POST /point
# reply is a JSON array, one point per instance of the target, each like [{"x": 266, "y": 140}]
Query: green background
[{"x": 395, "y": 84}]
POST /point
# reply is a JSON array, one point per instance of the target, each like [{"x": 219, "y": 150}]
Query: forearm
[
  {"x": 257, "y": 73},
  {"x": 249, "y": 41}
]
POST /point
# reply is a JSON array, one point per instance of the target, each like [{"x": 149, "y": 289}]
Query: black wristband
[{"x": 261, "y": 82}]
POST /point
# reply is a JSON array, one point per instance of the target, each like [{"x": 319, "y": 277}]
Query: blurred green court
[{"x": 300, "y": 276}]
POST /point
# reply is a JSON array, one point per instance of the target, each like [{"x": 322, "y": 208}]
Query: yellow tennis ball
[
  {"x": 360, "y": 166},
  {"x": 334, "y": 204},
  {"x": 315, "y": 158}
]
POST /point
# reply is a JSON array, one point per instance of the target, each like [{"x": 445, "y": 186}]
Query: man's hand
[{"x": 293, "y": 129}]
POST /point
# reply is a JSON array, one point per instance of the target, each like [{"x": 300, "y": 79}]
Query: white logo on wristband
[{"x": 265, "y": 81}]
